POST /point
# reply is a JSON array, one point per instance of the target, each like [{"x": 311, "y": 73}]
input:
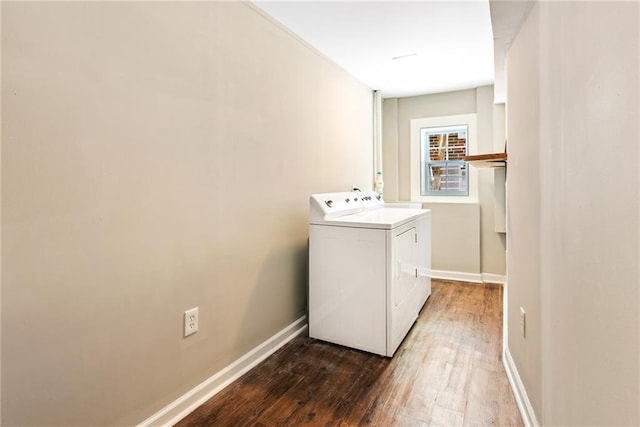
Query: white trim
[
  {"x": 456, "y": 275},
  {"x": 188, "y": 402},
  {"x": 469, "y": 277},
  {"x": 494, "y": 278},
  {"x": 414, "y": 183},
  {"x": 519, "y": 392}
]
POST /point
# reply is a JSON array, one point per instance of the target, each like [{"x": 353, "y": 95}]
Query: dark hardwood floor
[{"x": 447, "y": 372}]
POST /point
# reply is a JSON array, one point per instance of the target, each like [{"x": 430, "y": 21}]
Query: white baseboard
[
  {"x": 456, "y": 275},
  {"x": 494, "y": 278},
  {"x": 519, "y": 392},
  {"x": 469, "y": 277},
  {"x": 187, "y": 403}
]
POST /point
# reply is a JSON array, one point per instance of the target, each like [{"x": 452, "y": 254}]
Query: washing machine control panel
[
  {"x": 333, "y": 205},
  {"x": 371, "y": 200}
]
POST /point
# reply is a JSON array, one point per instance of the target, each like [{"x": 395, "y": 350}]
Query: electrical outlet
[
  {"x": 523, "y": 322},
  {"x": 190, "y": 321}
]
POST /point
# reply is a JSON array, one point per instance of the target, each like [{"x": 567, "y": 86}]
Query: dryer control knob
[{"x": 329, "y": 202}]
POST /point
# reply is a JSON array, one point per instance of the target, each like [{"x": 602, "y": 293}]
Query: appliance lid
[{"x": 385, "y": 218}]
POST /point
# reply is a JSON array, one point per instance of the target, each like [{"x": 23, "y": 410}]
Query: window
[
  {"x": 443, "y": 170},
  {"x": 438, "y": 171}
]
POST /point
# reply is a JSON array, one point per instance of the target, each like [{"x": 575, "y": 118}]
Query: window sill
[{"x": 446, "y": 199}]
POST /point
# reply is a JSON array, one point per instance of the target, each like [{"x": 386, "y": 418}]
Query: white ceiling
[{"x": 442, "y": 45}]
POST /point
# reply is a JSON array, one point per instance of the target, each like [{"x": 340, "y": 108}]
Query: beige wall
[
  {"x": 479, "y": 248},
  {"x": 492, "y": 244},
  {"x": 156, "y": 157},
  {"x": 574, "y": 230},
  {"x": 523, "y": 210},
  {"x": 455, "y": 237}
]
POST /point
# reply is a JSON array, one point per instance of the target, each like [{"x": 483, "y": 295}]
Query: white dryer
[{"x": 369, "y": 270}]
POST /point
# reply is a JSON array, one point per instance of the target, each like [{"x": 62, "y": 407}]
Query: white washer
[{"x": 369, "y": 270}]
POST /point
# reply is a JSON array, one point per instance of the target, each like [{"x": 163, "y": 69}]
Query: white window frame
[{"x": 470, "y": 120}]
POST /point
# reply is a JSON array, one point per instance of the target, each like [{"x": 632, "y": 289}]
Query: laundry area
[{"x": 324, "y": 213}]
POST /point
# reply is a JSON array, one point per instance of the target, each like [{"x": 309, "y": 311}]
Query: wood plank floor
[{"x": 447, "y": 372}]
